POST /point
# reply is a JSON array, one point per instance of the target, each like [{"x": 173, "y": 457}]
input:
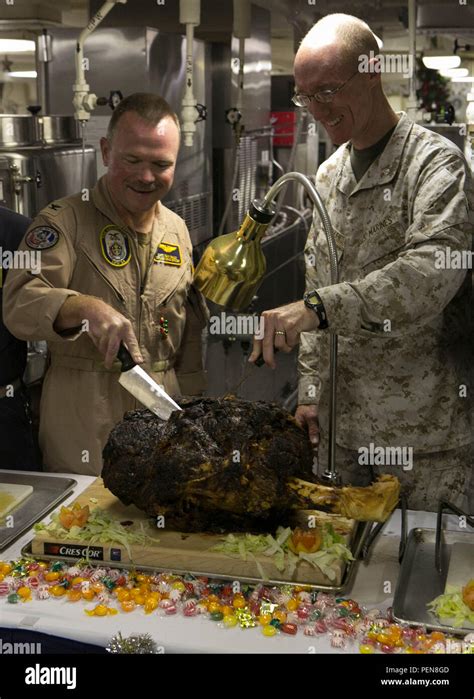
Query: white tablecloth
[{"x": 373, "y": 586}]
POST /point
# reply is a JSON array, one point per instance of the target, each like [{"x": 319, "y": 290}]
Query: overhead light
[
  {"x": 23, "y": 74},
  {"x": 455, "y": 73},
  {"x": 462, "y": 80},
  {"x": 441, "y": 62},
  {"x": 17, "y": 46}
]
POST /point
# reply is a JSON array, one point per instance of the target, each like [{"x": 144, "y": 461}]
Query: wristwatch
[{"x": 313, "y": 300}]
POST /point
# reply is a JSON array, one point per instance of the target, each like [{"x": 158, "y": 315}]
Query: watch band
[{"x": 313, "y": 301}]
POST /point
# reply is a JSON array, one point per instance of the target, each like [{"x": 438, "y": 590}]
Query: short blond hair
[
  {"x": 354, "y": 38},
  {"x": 150, "y": 107}
]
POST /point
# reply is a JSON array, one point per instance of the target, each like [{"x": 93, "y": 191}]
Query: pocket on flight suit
[{"x": 111, "y": 283}]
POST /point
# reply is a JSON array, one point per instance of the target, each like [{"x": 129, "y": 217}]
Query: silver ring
[{"x": 280, "y": 332}]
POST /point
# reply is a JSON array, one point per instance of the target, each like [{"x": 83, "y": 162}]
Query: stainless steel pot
[
  {"x": 55, "y": 129},
  {"x": 18, "y": 130}
]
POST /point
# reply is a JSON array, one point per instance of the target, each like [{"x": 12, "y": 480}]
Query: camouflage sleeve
[
  {"x": 418, "y": 284},
  {"x": 309, "y": 383}
]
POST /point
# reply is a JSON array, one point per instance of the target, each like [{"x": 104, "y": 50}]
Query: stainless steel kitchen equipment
[
  {"x": 41, "y": 160},
  {"x": 434, "y": 559},
  {"x": 48, "y": 491}
]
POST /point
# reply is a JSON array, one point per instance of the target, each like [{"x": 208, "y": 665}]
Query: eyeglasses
[{"x": 323, "y": 96}]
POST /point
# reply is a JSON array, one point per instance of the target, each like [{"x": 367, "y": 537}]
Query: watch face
[{"x": 313, "y": 299}]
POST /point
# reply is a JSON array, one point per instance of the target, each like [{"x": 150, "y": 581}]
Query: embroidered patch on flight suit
[
  {"x": 115, "y": 246},
  {"x": 42, "y": 238},
  {"x": 168, "y": 254}
]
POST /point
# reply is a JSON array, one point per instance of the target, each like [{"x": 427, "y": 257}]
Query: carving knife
[{"x": 142, "y": 387}]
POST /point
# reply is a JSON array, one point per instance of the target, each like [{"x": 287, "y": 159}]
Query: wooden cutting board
[
  {"x": 11, "y": 494},
  {"x": 177, "y": 551}
]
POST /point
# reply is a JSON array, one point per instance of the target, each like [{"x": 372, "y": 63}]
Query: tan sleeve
[
  {"x": 189, "y": 361},
  {"x": 33, "y": 296}
]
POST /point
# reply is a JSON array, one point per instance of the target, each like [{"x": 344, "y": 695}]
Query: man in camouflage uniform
[{"x": 399, "y": 198}]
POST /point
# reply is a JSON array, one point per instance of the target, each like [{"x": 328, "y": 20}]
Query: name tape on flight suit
[
  {"x": 115, "y": 246},
  {"x": 168, "y": 254},
  {"x": 42, "y": 238}
]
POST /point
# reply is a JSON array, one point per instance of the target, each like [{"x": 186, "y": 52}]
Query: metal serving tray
[
  {"x": 420, "y": 582},
  {"x": 48, "y": 491},
  {"x": 359, "y": 538}
]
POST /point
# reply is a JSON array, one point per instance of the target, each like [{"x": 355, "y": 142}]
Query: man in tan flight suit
[
  {"x": 115, "y": 266},
  {"x": 400, "y": 200}
]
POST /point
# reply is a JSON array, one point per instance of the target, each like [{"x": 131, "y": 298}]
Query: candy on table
[
  {"x": 201, "y": 607},
  {"x": 303, "y": 612},
  {"x": 74, "y": 595},
  {"x": 230, "y": 620},
  {"x": 246, "y": 619},
  {"x": 292, "y": 618},
  {"x": 304, "y": 597},
  {"x": 281, "y": 615},
  {"x": 373, "y": 613},
  {"x": 113, "y": 574},
  {"x": 282, "y": 598},
  {"x": 98, "y": 574},
  {"x": 13, "y": 583},
  {"x": 128, "y": 605},
  {"x": 101, "y": 610},
  {"x": 24, "y": 592},
  {"x": 57, "y": 591},
  {"x": 103, "y": 597},
  {"x": 4, "y": 588},
  {"x": 274, "y": 609},
  {"x": 43, "y": 592},
  {"x": 338, "y": 639},
  {"x": 320, "y": 626},
  {"x": 190, "y": 608}
]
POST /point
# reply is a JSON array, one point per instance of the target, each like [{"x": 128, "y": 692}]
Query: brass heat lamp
[{"x": 233, "y": 265}]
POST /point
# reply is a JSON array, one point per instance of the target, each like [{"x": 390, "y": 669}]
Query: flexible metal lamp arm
[{"x": 330, "y": 474}]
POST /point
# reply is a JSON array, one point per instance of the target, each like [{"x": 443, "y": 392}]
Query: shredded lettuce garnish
[
  {"x": 450, "y": 606},
  {"x": 99, "y": 529},
  {"x": 248, "y": 546}
]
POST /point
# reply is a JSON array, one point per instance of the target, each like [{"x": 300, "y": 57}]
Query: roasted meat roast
[{"x": 221, "y": 465}]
